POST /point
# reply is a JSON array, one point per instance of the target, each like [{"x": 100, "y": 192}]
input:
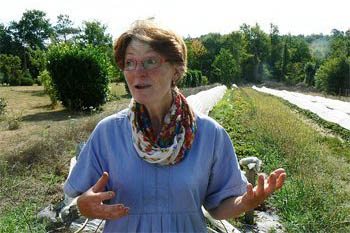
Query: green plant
[
  {"x": 14, "y": 121},
  {"x": 79, "y": 74},
  {"x": 314, "y": 197},
  {"x": 21, "y": 219},
  {"x": 10, "y": 66},
  {"x": 46, "y": 81},
  {"x": 26, "y": 80},
  {"x": 332, "y": 76},
  {"x": 3, "y": 105},
  {"x": 192, "y": 78}
]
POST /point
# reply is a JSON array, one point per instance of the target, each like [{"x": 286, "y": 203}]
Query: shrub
[
  {"x": 46, "y": 80},
  {"x": 80, "y": 75},
  {"x": 332, "y": 76},
  {"x": 14, "y": 121},
  {"x": 192, "y": 78},
  {"x": 10, "y": 67},
  {"x": 226, "y": 68},
  {"x": 3, "y": 105},
  {"x": 26, "y": 80}
]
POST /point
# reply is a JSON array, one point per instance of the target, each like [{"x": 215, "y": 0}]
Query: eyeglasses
[{"x": 148, "y": 63}]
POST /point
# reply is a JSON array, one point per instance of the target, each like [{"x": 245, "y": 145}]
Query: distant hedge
[
  {"x": 79, "y": 74},
  {"x": 193, "y": 78}
]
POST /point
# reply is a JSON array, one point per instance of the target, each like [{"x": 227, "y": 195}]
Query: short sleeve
[
  {"x": 87, "y": 170},
  {"x": 226, "y": 179}
]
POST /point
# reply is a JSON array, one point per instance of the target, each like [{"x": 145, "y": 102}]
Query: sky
[{"x": 194, "y": 17}]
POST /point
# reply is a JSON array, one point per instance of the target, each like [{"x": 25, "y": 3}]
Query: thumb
[{"x": 101, "y": 183}]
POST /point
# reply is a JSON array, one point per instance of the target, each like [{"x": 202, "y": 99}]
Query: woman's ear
[{"x": 178, "y": 73}]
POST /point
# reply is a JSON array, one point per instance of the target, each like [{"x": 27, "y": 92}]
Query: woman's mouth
[{"x": 142, "y": 86}]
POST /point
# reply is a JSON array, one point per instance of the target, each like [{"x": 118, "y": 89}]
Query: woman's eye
[
  {"x": 150, "y": 61},
  {"x": 130, "y": 63}
]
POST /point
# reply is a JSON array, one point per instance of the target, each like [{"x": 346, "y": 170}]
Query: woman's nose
[{"x": 139, "y": 67}]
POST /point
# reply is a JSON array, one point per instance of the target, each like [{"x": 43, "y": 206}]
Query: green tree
[
  {"x": 33, "y": 29},
  {"x": 256, "y": 43},
  {"x": 9, "y": 44},
  {"x": 310, "y": 69},
  {"x": 340, "y": 43},
  {"x": 64, "y": 28},
  {"x": 333, "y": 75},
  {"x": 285, "y": 58},
  {"x": 10, "y": 66},
  {"x": 37, "y": 61},
  {"x": 94, "y": 33},
  {"x": 196, "y": 52},
  {"x": 225, "y": 68},
  {"x": 276, "y": 52},
  {"x": 213, "y": 43},
  {"x": 234, "y": 43},
  {"x": 32, "y": 32},
  {"x": 299, "y": 55}
]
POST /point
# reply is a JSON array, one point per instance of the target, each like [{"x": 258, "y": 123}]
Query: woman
[{"x": 158, "y": 162}]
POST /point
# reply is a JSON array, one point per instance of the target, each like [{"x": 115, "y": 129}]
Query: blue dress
[{"x": 160, "y": 198}]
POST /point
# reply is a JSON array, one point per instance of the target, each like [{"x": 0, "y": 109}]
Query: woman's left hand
[
  {"x": 257, "y": 195},
  {"x": 234, "y": 206}
]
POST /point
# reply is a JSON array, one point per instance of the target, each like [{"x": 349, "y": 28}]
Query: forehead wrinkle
[{"x": 136, "y": 46}]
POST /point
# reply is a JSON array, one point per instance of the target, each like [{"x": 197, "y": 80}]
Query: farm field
[
  {"x": 34, "y": 158},
  {"x": 316, "y": 197}
]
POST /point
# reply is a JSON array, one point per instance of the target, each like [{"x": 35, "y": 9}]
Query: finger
[
  {"x": 280, "y": 180},
  {"x": 101, "y": 183},
  {"x": 250, "y": 192},
  {"x": 271, "y": 184},
  {"x": 114, "y": 211},
  {"x": 279, "y": 171},
  {"x": 260, "y": 186},
  {"x": 103, "y": 196}
]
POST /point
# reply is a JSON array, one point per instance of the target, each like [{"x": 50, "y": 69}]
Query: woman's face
[{"x": 148, "y": 75}]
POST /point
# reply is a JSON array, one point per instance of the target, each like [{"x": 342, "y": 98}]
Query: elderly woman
[{"x": 151, "y": 167}]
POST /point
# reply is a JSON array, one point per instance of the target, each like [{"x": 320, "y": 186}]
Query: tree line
[
  {"x": 23, "y": 44},
  {"x": 248, "y": 55}
]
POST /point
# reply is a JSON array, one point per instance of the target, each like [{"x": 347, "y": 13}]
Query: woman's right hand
[{"x": 90, "y": 203}]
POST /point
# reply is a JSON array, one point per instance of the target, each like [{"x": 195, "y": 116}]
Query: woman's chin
[{"x": 141, "y": 98}]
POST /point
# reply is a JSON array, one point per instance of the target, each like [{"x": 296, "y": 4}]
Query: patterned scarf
[{"x": 176, "y": 135}]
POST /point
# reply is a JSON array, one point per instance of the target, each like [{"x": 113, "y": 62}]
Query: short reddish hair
[{"x": 165, "y": 42}]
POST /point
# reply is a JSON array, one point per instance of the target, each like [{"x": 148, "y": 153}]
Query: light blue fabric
[{"x": 161, "y": 198}]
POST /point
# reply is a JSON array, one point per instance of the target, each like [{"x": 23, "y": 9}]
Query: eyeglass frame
[{"x": 142, "y": 61}]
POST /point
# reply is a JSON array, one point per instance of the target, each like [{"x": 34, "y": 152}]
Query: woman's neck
[{"x": 157, "y": 112}]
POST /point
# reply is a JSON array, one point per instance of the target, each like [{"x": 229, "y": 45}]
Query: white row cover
[
  {"x": 204, "y": 101},
  {"x": 335, "y": 111}
]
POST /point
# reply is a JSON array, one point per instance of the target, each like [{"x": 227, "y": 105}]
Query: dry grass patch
[{"x": 34, "y": 159}]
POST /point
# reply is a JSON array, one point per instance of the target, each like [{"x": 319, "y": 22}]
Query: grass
[
  {"x": 34, "y": 159},
  {"x": 20, "y": 219},
  {"x": 316, "y": 196}
]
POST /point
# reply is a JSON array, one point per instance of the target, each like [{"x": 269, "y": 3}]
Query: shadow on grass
[
  {"x": 32, "y": 92},
  {"x": 39, "y": 93},
  {"x": 54, "y": 116}
]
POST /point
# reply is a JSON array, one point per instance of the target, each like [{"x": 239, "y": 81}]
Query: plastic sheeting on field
[
  {"x": 204, "y": 101},
  {"x": 335, "y": 111}
]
